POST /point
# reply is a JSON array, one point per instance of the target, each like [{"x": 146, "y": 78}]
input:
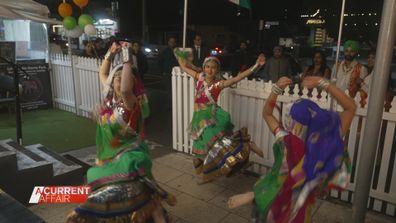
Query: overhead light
[
  {"x": 104, "y": 22},
  {"x": 376, "y": 24},
  {"x": 369, "y": 14},
  {"x": 148, "y": 50}
]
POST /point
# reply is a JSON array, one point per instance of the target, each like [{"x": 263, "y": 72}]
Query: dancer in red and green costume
[
  {"x": 219, "y": 151},
  {"x": 122, "y": 185},
  {"x": 310, "y": 156}
]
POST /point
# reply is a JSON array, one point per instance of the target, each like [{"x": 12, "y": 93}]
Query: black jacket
[
  {"x": 142, "y": 63},
  {"x": 204, "y": 53},
  {"x": 167, "y": 61}
]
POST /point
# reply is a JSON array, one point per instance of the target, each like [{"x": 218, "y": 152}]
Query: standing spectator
[
  {"x": 167, "y": 61},
  {"x": 370, "y": 69},
  {"x": 367, "y": 81},
  {"x": 319, "y": 66},
  {"x": 242, "y": 59},
  {"x": 200, "y": 52},
  {"x": 350, "y": 73},
  {"x": 100, "y": 47},
  {"x": 277, "y": 66},
  {"x": 89, "y": 50},
  {"x": 141, "y": 59}
]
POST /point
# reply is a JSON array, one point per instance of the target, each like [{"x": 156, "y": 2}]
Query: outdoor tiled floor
[{"x": 207, "y": 203}]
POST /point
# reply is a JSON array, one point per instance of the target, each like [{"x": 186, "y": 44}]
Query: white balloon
[
  {"x": 74, "y": 33},
  {"x": 90, "y": 30}
]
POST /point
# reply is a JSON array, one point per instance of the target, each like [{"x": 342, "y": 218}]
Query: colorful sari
[
  {"x": 122, "y": 185},
  {"x": 309, "y": 157},
  {"x": 218, "y": 150}
]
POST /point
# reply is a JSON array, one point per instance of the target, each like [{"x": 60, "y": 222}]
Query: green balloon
[
  {"x": 84, "y": 20},
  {"x": 69, "y": 22}
]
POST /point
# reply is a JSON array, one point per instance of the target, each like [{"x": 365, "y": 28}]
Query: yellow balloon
[
  {"x": 65, "y": 10},
  {"x": 81, "y": 3}
]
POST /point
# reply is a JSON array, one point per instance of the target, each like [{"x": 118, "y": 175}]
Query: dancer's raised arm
[
  {"x": 277, "y": 89},
  {"x": 183, "y": 65},
  {"x": 346, "y": 102},
  {"x": 259, "y": 62},
  {"x": 127, "y": 78},
  {"x": 105, "y": 67}
]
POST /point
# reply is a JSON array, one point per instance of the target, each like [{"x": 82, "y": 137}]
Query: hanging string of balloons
[{"x": 75, "y": 28}]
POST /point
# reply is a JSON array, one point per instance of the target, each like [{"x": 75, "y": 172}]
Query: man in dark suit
[
  {"x": 166, "y": 62},
  {"x": 141, "y": 58},
  {"x": 200, "y": 52}
]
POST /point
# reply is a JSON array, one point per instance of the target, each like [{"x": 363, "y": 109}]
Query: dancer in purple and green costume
[
  {"x": 219, "y": 151},
  {"x": 122, "y": 185},
  {"x": 309, "y": 152}
]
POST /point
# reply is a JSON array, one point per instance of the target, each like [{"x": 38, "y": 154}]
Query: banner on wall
[{"x": 36, "y": 86}]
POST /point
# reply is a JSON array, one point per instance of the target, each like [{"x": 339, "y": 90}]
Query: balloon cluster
[{"x": 74, "y": 28}]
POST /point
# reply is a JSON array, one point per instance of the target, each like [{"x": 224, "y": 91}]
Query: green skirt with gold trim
[{"x": 122, "y": 190}]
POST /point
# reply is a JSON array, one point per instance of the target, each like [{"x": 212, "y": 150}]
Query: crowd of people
[{"x": 349, "y": 73}]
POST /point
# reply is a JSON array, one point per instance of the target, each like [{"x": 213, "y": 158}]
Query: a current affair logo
[{"x": 59, "y": 194}]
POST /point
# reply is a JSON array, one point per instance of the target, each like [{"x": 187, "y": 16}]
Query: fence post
[{"x": 76, "y": 84}]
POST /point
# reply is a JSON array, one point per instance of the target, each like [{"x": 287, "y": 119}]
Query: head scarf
[
  {"x": 209, "y": 59},
  {"x": 320, "y": 131},
  {"x": 353, "y": 44},
  {"x": 108, "y": 88}
]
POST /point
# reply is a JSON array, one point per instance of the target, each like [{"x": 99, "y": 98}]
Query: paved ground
[{"x": 205, "y": 203}]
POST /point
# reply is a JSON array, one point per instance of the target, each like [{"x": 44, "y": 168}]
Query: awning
[{"x": 26, "y": 10}]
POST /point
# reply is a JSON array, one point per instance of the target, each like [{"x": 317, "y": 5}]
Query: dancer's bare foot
[
  {"x": 158, "y": 215},
  {"x": 201, "y": 180},
  {"x": 240, "y": 199},
  {"x": 256, "y": 149},
  {"x": 171, "y": 200}
]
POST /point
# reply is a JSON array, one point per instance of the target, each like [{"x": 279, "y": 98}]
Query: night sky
[
  {"x": 215, "y": 11},
  {"x": 168, "y": 14}
]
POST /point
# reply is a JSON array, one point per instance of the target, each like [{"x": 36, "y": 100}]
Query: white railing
[
  {"x": 83, "y": 90},
  {"x": 245, "y": 103}
]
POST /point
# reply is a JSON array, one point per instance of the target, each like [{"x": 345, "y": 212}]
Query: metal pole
[
  {"x": 185, "y": 23},
  {"x": 334, "y": 74},
  {"x": 378, "y": 88},
  {"x": 17, "y": 106},
  {"x": 144, "y": 22},
  {"x": 73, "y": 74}
]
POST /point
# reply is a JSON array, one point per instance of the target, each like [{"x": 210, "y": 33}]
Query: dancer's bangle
[
  {"x": 126, "y": 55},
  {"x": 277, "y": 130},
  {"x": 276, "y": 89},
  {"x": 323, "y": 84},
  {"x": 109, "y": 56},
  {"x": 255, "y": 68}
]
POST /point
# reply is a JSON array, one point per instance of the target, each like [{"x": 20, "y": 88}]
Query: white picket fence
[
  {"x": 245, "y": 103},
  {"x": 84, "y": 90}
]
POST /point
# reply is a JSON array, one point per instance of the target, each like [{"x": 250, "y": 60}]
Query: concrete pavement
[{"x": 207, "y": 203}]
